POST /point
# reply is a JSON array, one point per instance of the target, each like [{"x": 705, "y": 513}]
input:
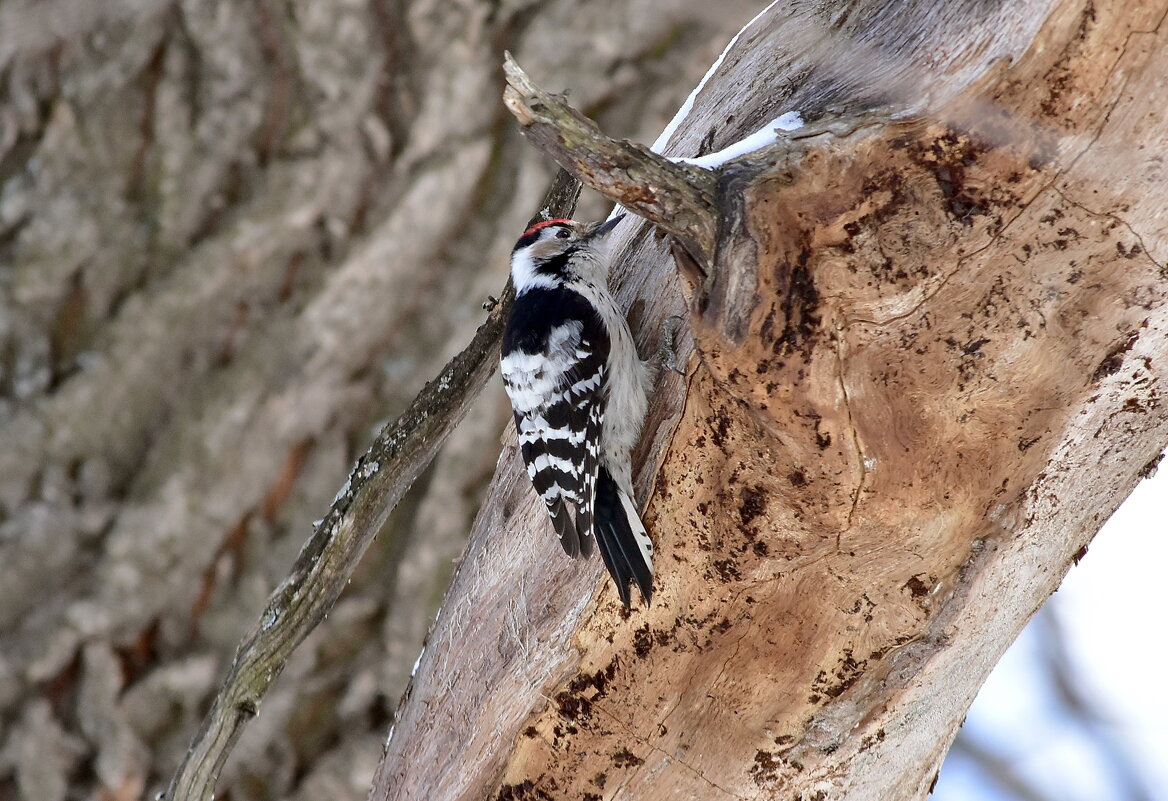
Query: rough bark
[
  {"x": 926, "y": 369},
  {"x": 234, "y": 238}
]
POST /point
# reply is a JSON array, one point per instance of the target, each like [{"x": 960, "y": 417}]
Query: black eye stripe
[{"x": 556, "y": 265}]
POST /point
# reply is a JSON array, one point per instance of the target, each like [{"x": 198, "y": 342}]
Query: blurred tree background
[{"x": 235, "y": 238}]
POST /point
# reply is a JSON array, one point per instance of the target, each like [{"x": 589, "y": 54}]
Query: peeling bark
[{"x": 925, "y": 369}]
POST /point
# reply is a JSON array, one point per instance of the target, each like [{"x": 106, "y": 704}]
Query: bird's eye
[{"x": 563, "y": 233}]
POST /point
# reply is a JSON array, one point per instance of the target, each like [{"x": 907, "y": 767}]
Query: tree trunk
[
  {"x": 925, "y": 369},
  {"x": 233, "y": 239}
]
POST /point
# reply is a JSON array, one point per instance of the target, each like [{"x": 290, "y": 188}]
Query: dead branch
[
  {"x": 677, "y": 197},
  {"x": 322, "y": 570}
]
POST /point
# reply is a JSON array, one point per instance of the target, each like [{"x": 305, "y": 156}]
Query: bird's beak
[{"x": 606, "y": 226}]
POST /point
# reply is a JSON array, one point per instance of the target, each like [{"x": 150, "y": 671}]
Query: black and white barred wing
[{"x": 557, "y": 390}]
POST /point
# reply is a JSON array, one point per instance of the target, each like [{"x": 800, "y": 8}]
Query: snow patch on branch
[
  {"x": 766, "y": 135},
  {"x": 687, "y": 106}
]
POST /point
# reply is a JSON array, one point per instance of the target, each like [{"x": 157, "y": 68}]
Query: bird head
[{"x": 545, "y": 252}]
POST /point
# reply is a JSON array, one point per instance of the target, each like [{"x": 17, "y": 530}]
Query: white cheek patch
[{"x": 524, "y": 275}]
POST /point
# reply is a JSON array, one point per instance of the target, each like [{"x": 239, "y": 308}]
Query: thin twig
[{"x": 322, "y": 570}]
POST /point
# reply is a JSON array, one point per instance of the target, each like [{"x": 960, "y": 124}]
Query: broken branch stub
[{"x": 678, "y": 198}]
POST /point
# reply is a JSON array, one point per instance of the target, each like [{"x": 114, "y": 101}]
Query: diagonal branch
[
  {"x": 678, "y": 198},
  {"x": 322, "y": 570}
]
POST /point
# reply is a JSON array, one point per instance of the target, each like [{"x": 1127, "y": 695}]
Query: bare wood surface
[{"x": 925, "y": 373}]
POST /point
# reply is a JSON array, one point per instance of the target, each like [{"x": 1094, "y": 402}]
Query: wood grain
[{"x": 925, "y": 371}]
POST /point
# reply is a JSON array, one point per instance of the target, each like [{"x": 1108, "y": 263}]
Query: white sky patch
[
  {"x": 1109, "y": 608},
  {"x": 687, "y": 106},
  {"x": 766, "y": 135}
]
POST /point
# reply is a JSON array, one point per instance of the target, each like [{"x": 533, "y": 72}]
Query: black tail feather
[
  {"x": 622, "y": 584},
  {"x": 566, "y": 529},
  {"x": 618, "y": 546}
]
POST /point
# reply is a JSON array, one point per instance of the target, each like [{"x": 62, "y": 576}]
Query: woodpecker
[{"x": 579, "y": 392}]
